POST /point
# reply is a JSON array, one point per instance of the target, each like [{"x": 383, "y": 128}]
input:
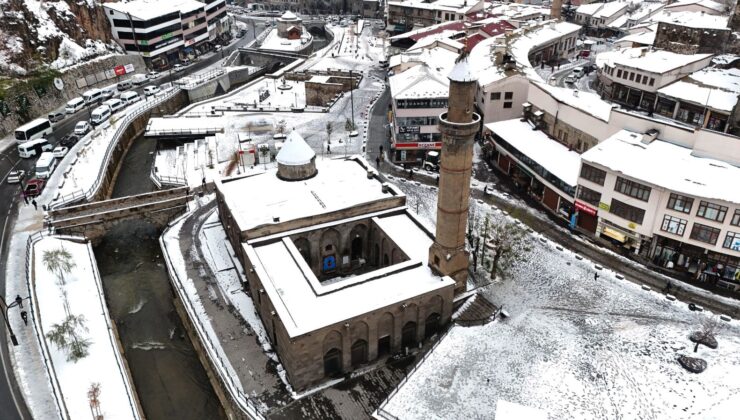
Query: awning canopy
[{"x": 614, "y": 234}]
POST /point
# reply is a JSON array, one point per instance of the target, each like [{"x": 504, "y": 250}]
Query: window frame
[
  {"x": 713, "y": 233},
  {"x": 666, "y": 224},
  {"x": 632, "y": 189},
  {"x": 705, "y": 205},
  {"x": 638, "y": 216},
  {"x": 674, "y": 199},
  {"x": 587, "y": 171}
]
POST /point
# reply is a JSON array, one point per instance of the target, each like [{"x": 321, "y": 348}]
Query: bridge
[{"x": 93, "y": 220}]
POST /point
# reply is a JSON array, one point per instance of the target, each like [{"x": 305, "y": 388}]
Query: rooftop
[
  {"x": 712, "y": 87},
  {"x": 602, "y": 10},
  {"x": 587, "y": 102},
  {"x": 442, "y": 58},
  {"x": 643, "y": 58},
  {"x": 553, "y": 156},
  {"x": 420, "y": 81},
  {"x": 708, "y": 4},
  {"x": 295, "y": 151},
  {"x": 541, "y": 35},
  {"x": 305, "y": 305},
  {"x": 338, "y": 185},
  {"x": 668, "y": 166},
  {"x": 692, "y": 19},
  {"x": 150, "y": 9},
  {"x": 642, "y": 38}
]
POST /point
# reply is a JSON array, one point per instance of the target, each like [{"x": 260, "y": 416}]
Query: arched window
[
  {"x": 408, "y": 334},
  {"x": 359, "y": 353},
  {"x": 431, "y": 325},
  {"x": 333, "y": 363}
]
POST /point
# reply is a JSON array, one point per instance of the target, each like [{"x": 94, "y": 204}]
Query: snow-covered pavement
[{"x": 574, "y": 346}]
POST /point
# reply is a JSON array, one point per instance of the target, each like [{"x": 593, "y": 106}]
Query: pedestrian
[
  {"x": 381, "y": 149},
  {"x": 25, "y": 198},
  {"x": 377, "y": 162},
  {"x": 24, "y": 317},
  {"x": 411, "y": 174},
  {"x": 558, "y": 66},
  {"x": 35, "y": 206},
  {"x": 668, "y": 287},
  {"x": 19, "y": 301},
  {"x": 485, "y": 189},
  {"x": 596, "y": 276},
  {"x": 328, "y": 149}
]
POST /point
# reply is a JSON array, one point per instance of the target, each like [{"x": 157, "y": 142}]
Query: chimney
[
  {"x": 499, "y": 51},
  {"x": 556, "y": 9},
  {"x": 649, "y": 136},
  {"x": 384, "y": 187}
]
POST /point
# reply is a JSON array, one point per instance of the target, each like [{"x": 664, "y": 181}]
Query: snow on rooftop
[
  {"x": 643, "y": 58},
  {"x": 304, "y": 305},
  {"x": 338, "y": 185},
  {"x": 419, "y": 82},
  {"x": 463, "y": 71},
  {"x": 692, "y": 19},
  {"x": 709, "y": 4},
  {"x": 668, "y": 166},
  {"x": 712, "y": 87},
  {"x": 150, "y": 9},
  {"x": 275, "y": 42},
  {"x": 543, "y": 34},
  {"x": 288, "y": 15},
  {"x": 442, "y": 37},
  {"x": 587, "y": 102},
  {"x": 295, "y": 151},
  {"x": 553, "y": 156},
  {"x": 442, "y": 58},
  {"x": 642, "y": 38}
]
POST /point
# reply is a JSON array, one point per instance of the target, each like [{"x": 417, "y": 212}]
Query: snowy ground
[
  {"x": 574, "y": 346},
  {"x": 104, "y": 363}
]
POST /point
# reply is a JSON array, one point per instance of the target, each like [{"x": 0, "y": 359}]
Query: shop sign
[
  {"x": 189, "y": 42},
  {"x": 119, "y": 70},
  {"x": 631, "y": 225},
  {"x": 409, "y": 129},
  {"x": 129, "y": 68},
  {"x": 584, "y": 208},
  {"x": 143, "y": 42},
  {"x": 604, "y": 206},
  {"x": 167, "y": 35},
  {"x": 419, "y": 145}
]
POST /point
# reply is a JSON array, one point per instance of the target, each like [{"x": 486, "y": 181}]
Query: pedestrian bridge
[{"x": 93, "y": 220}]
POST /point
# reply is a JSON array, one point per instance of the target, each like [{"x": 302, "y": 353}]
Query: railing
[
  {"x": 122, "y": 126},
  {"x": 380, "y": 411},
  {"x": 241, "y": 399},
  {"x": 252, "y": 108},
  {"x": 160, "y": 180},
  {"x": 183, "y": 131},
  {"x": 198, "y": 80}
]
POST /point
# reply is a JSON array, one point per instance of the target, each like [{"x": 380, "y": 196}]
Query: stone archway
[
  {"x": 431, "y": 324},
  {"x": 408, "y": 334},
  {"x": 359, "y": 353},
  {"x": 329, "y": 250},
  {"x": 333, "y": 363}
]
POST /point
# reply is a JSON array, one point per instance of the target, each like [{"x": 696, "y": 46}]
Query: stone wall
[
  {"x": 684, "y": 40},
  {"x": 41, "y": 102},
  {"x": 567, "y": 134},
  {"x": 320, "y": 94}
]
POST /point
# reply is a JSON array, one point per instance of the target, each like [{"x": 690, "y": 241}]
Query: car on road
[
  {"x": 15, "y": 177},
  {"x": 56, "y": 116},
  {"x": 186, "y": 62},
  {"x": 178, "y": 68},
  {"x": 60, "y": 152},
  {"x": 153, "y": 75},
  {"x": 151, "y": 90},
  {"x": 217, "y": 48},
  {"x": 570, "y": 79},
  {"x": 139, "y": 79},
  {"x": 82, "y": 127},
  {"x": 34, "y": 187},
  {"x": 69, "y": 140},
  {"x": 577, "y": 72}
]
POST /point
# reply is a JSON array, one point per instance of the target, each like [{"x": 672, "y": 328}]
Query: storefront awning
[{"x": 614, "y": 234}]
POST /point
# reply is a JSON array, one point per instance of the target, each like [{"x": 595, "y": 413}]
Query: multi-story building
[
  {"x": 693, "y": 32},
  {"x": 406, "y": 15},
  {"x": 666, "y": 201},
  {"x": 164, "y": 32},
  {"x": 600, "y": 15}
]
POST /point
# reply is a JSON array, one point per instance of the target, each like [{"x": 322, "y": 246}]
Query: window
[
  {"x": 592, "y": 174},
  {"x": 625, "y": 211},
  {"x": 638, "y": 78},
  {"x": 736, "y": 218},
  {"x": 619, "y": 73},
  {"x": 508, "y": 95},
  {"x": 588, "y": 195},
  {"x": 680, "y": 203},
  {"x": 673, "y": 225},
  {"x": 711, "y": 211},
  {"x": 704, "y": 233},
  {"x": 632, "y": 189},
  {"x": 732, "y": 241},
  {"x": 495, "y": 96},
  {"x": 507, "y": 104},
  {"x": 652, "y": 81},
  {"x": 632, "y": 76}
]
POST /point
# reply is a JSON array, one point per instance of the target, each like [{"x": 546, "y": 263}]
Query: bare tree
[
  {"x": 349, "y": 126},
  {"x": 58, "y": 261},
  {"x": 329, "y": 130},
  {"x": 706, "y": 334},
  {"x": 67, "y": 336},
  {"x": 93, "y": 398},
  {"x": 508, "y": 244},
  {"x": 280, "y": 127}
]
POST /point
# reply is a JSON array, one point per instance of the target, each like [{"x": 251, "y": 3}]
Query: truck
[{"x": 431, "y": 161}]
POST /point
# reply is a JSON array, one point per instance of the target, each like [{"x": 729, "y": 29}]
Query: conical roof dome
[
  {"x": 288, "y": 15},
  {"x": 295, "y": 151}
]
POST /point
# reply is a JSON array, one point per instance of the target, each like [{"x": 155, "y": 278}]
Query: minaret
[
  {"x": 448, "y": 256},
  {"x": 556, "y": 9}
]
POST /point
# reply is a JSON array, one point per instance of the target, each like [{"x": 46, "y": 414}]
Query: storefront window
[
  {"x": 732, "y": 241},
  {"x": 680, "y": 203},
  {"x": 690, "y": 114},
  {"x": 717, "y": 122},
  {"x": 704, "y": 233},
  {"x": 711, "y": 211},
  {"x": 665, "y": 107},
  {"x": 673, "y": 225}
]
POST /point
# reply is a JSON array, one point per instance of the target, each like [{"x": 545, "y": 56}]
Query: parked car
[
  {"x": 217, "y": 48},
  {"x": 60, "y": 152},
  {"x": 69, "y": 140},
  {"x": 153, "y": 75},
  {"x": 139, "y": 79},
  {"x": 151, "y": 90},
  {"x": 570, "y": 79},
  {"x": 186, "y": 62},
  {"x": 56, "y": 116},
  {"x": 74, "y": 105},
  {"x": 34, "y": 187},
  {"x": 82, "y": 127},
  {"x": 578, "y": 72},
  {"x": 15, "y": 177},
  {"x": 178, "y": 68}
]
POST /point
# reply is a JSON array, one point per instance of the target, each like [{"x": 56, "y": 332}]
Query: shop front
[
  {"x": 701, "y": 264},
  {"x": 619, "y": 236},
  {"x": 412, "y": 153},
  {"x": 586, "y": 216}
]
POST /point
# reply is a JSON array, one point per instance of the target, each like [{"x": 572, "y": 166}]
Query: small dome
[
  {"x": 462, "y": 72},
  {"x": 288, "y": 15},
  {"x": 295, "y": 151}
]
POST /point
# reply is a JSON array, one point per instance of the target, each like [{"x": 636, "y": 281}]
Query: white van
[
  {"x": 114, "y": 104},
  {"x": 139, "y": 79},
  {"x": 100, "y": 115},
  {"x": 92, "y": 96},
  {"x": 124, "y": 85},
  {"x": 34, "y": 148},
  {"x": 45, "y": 165},
  {"x": 109, "y": 91},
  {"x": 130, "y": 97},
  {"x": 74, "y": 105}
]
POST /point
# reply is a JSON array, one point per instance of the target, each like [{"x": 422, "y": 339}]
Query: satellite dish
[{"x": 58, "y": 83}]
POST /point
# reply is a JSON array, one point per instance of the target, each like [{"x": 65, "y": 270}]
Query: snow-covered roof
[
  {"x": 602, "y": 10},
  {"x": 541, "y": 35},
  {"x": 667, "y": 165},
  {"x": 699, "y": 4},
  {"x": 692, "y": 19},
  {"x": 551, "y": 155},
  {"x": 338, "y": 185},
  {"x": 643, "y": 58},
  {"x": 482, "y": 60},
  {"x": 150, "y": 9},
  {"x": 273, "y": 41},
  {"x": 419, "y": 82},
  {"x": 641, "y": 38},
  {"x": 288, "y": 15},
  {"x": 442, "y": 58},
  {"x": 512, "y": 411},
  {"x": 462, "y": 72},
  {"x": 305, "y": 305},
  {"x": 587, "y": 102},
  {"x": 295, "y": 151},
  {"x": 440, "y": 38},
  {"x": 715, "y": 88}
]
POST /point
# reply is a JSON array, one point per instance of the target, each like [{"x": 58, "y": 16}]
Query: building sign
[
  {"x": 584, "y": 208},
  {"x": 419, "y": 145},
  {"x": 189, "y": 42},
  {"x": 409, "y": 129},
  {"x": 166, "y": 36},
  {"x": 604, "y": 206},
  {"x": 119, "y": 70},
  {"x": 129, "y": 68},
  {"x": 143, "y": 42}
]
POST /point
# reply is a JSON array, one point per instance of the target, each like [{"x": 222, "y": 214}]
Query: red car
[{"x": 33, "y": 187}]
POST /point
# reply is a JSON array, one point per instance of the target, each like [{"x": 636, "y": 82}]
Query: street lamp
[{"x": 5, "y": 308}]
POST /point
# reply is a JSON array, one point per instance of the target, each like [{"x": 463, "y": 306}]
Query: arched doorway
[
  {"x": 408, "y": 334},
  {"x": 333, "y": 363},
  {"x": 359, "y": 353},
  {"x": 377, "y": 255},
  {"x": 356, "y": 249},
  {"x": 385, "y": 260},
  {"x": 431, "y": 325}
]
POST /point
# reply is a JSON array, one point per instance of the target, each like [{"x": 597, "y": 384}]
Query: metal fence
[
  {"x": 160, "y": 180},
  {"x": 195, "y": 81},
  {"x": 240, "y": 398},
  {"x": 122, "y": 126}
]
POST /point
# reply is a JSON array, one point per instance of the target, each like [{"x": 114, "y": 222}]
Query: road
[{"x": 12, "y": 405}]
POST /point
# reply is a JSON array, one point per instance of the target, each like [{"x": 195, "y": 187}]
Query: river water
[{"x": 167, "y": 373}]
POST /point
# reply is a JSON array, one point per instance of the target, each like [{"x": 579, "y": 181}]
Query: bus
[{"x": 35, "y": 129}]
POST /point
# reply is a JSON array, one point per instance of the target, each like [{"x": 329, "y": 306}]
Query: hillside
[{"x": 54, "y": 32}]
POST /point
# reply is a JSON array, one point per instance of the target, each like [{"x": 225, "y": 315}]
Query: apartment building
[
  {"x": 406, "y": 15},
  {"x": 600, "y": 15}
]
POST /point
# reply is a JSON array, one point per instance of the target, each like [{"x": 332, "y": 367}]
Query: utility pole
[
  {"x": 351, "y": 98},
  {"x": 5, "y": 308}
]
